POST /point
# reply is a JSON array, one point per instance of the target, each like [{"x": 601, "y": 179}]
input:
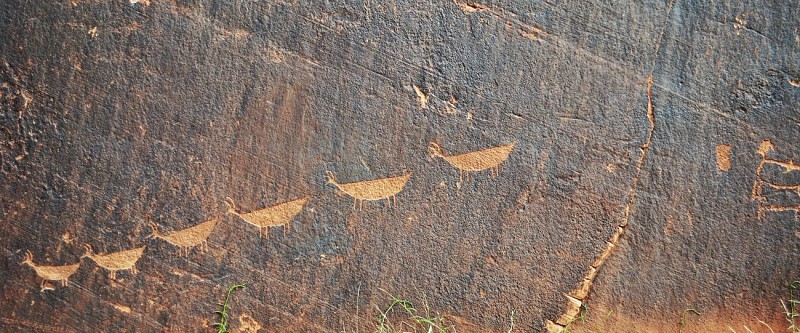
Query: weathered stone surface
[{"x": 640, "y": 117}]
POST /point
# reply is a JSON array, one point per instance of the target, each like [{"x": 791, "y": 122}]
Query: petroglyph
[
  {"x": 739, "y": 24},
  {"x": 790, "y": 188},
  {"x": 248, "y": 324},
  {"x": 427, "y": 100},
  {"x": 764, "y": 149},
  {"x": 760, "y": 183},
  {"x": 512, "y": 21},
  {"x": 762, "y": 210},
  {"x": 121, "y": 308},
  {"x": 187, "y": 238},
  {"x": 471, "y": 7},
  {"x": 375, "y": 189},
  {"x": 489, "y": 158},
  {"x": 281, "y": 214},
  {"x": 117, "y": 261},
  {"x": 50, "y": 273},
  {"x": 423, "y": 97},
  {"x": 724, "y": 157},
  {"x": 530, "y": 32}
]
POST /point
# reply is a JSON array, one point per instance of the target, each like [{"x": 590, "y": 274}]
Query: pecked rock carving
[
  {"x": 187, "y": 238},
  {"x": 117, "y": 261},
  {"x": 374, "y": 189},
  {"x": 277, "y": 215},
  {"x": 479, "y": 160},
  {"x": 50, "y": 273},
  {"x": 760, "y": 183}
]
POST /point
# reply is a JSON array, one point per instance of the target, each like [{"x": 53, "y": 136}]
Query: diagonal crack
[{"x": 577, "y": 298}]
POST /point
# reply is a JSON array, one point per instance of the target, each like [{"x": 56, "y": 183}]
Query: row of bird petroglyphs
[
  {"x": 760, "y": 183},
  {"x": 117, "y": 261},
  {"x": 278, "y": 215}
]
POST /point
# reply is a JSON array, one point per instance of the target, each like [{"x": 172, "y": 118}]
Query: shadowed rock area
[{"x": 480, "y": 159}]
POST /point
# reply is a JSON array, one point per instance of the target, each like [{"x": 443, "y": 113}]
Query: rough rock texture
[{"x": 651, "y": 116}]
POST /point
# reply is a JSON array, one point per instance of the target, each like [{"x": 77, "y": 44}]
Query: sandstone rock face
[{"x": 538, "y": 158}]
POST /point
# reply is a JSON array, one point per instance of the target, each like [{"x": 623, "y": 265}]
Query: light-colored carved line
[
  {"x": 116, "y": 261},
  {"x": 479, "y": 160},
  {"x": 471, "y": 7},
  {"x": 280, "y": 214},
  {"x": 788, "y": 166},
  {"x": 794, "y": 188},
  {"x": 428, "y": 100},
  {"x": 371, "y": 190},
  {"x": 423, "y": 97},
  {"x": 187, "y": 238},
  {"x": 51, "y": 273},
  {"x": 121, "y": 308},
  {"x": 764, "y": 149},
  {"x": 526, "y": 30},
  {"x": 758, "y": 187},
  {"x": 774, "y": 208},
  {"x": 759, "y": 182}
]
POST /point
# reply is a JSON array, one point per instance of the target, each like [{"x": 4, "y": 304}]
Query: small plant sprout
[
  {"x": 683, "y": 317},
  {"x": 384, "y": 326},
  {"x": 512, "y": 318},
  {"x": 223, "y": 322},
  {"x": 791, "y": 309},
  {"x": 430, "y": 323},
  {"x": 581, "y": 317}
]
